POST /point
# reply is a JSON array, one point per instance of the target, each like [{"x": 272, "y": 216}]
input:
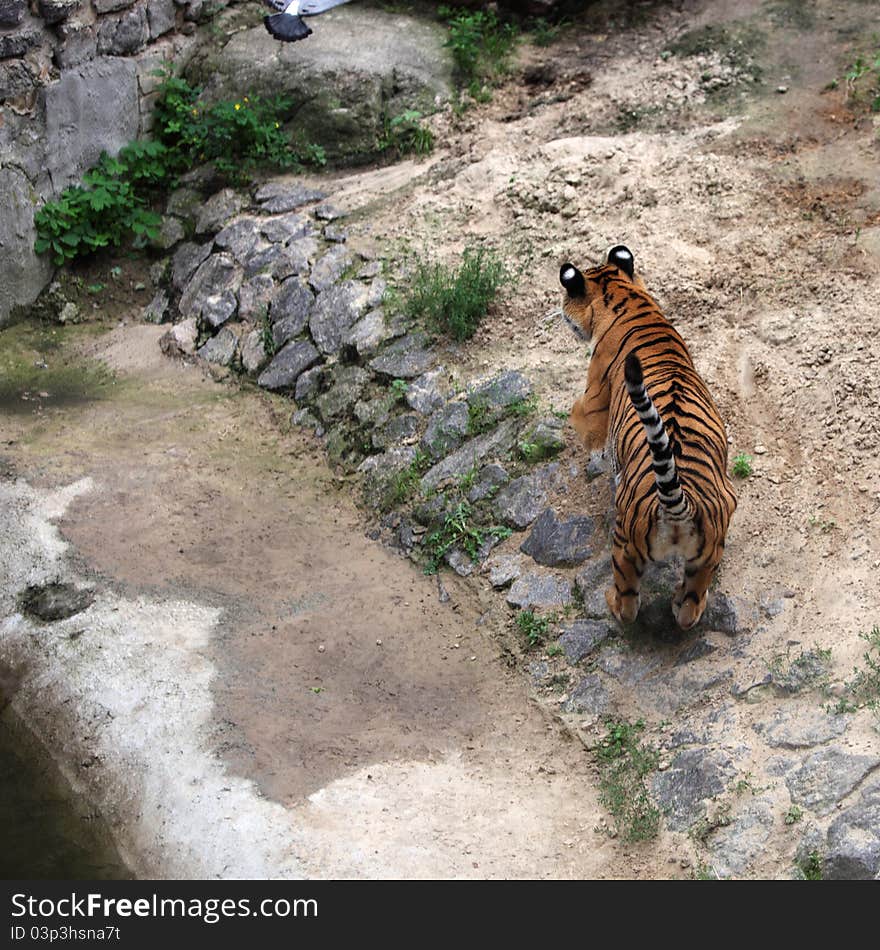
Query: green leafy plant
[
  {"x": 454, "y": 301},
  {"x": 399, "y": 388},
  {"x": 546, "y": 33},
  {"x": 524, "y": 407},
  {"x": 823, "y": 524},
  {"x": 407, "y": 480},
  {"x": 742, "y": 465},
  {"x": 406, "y": 134},
  {"x": 481, "y": 46},
  {"x": 625, "y": 761},
  {"x": 862, "y": 79},
  {"x": 530, "y": 451},
  {"x": 104, "y": 211},
  {"x": 459, "y": 529},
  {"x": 267, "y": 337},
  {"x": 719, "y": 818},
  {"x": 863, "y": 688},
  {"x": 533, "y": 626},
  {"x": 236, "y": 136},
  {"x": 793, "y": 815},
  {"x": 111, "y": 204},
  {"x": 811, "y": 866}
]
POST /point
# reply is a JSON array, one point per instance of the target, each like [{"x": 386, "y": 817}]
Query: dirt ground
[
  {"x": 752, "y": 210},
  {"x": 387, "y": 722}
]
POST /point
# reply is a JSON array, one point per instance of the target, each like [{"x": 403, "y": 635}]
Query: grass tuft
[
  {"x": 625, "y": 761},
  {"x": 454, "y": 301}
]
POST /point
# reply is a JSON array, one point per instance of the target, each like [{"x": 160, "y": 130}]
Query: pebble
[{"x": 378, "y": 643}]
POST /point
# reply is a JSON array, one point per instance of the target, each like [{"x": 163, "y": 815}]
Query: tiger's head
[{"x": 586, "y": 293}]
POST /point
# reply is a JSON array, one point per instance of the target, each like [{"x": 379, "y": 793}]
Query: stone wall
[{"x": 75, "y": 79}]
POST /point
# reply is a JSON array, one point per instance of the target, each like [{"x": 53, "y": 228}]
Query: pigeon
[{"x": 288, "y": 25}]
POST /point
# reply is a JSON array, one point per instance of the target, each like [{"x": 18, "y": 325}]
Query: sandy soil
[
  {"x": 754, "y": 220},
  {"x": 387, "y": 723}
]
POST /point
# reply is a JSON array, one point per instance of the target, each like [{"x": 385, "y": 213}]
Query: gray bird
[{"x": 288, "y": 25}]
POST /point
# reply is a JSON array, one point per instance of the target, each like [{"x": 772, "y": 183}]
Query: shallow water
[{"x": 46, "y": 831}]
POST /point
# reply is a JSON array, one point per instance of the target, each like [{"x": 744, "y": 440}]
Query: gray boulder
[
  {"x": 499, "y": 392},
  {"x": 406, "y": 358},
  {"x": 255, "y": 297},
  {"x": 253, "y": 352},
  {"x": 186, "y": 261},
  {"x": 284, "y": 228},
  {"x": 694, "y": 777},
  {"x": 238, "y": 237},
  {"x": 826, "y": 777},
  {"x": 217, "y": 210},
  {"x": 25, "y": 273},
  {"x": 382, "y": 473},
  {"x": 397, "y": 430},
  {"x": 160, "y": 17},
  {"x": 526, "y": 497},
  {"x": 348, "y": 384},
  {"x": 735, "y": 846},
  {"x": 582, "y": 638},
  {"x": 330, "y": 267},
  {"x": 284, "y": 370},
  {"x": 291, "y": 309},
  {"x": 369, "y": 333},
  {"x": 220, "y": 349},
  {"x": 425, "y": 393},
  {"x": 276, "y": 197},
  {"x": 336, "y": 310},
  {"x": 446, "y": 429},
  {"x": 589, "y": 697},
  {"x": 293, "y": 258},
  {"x": 504, "y": 569},
  {"x": 11, "y": 12},
  {"x": 54, "y": 11},
  {"x": 212, "y": 290},
  {"x": 473, "y": 452},
  {"x": 592, "y": 581},
  {"x": 560, "y": 543},
  {"x": 489, "y": 479},
  {"x": 92, "y": 108},
  {"x": 156, "y": 311},
  {"x": 367, "y": 64},
  {"x": 853, "y": 851},
  {"x": 22, "y": 40},
  {"x": 539, "y": 590},
  {"x": 125, "y": 34}
]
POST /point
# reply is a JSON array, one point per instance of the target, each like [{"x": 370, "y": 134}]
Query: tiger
[{"x": 646, "y": 403}]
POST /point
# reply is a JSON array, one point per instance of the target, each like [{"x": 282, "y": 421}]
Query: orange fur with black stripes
[{"x": 645, "y": 401}]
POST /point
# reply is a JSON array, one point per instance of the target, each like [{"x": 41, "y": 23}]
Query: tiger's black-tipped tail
[
  {"x": 668, "y": 487},
  {"x": 287, "y": 27}
]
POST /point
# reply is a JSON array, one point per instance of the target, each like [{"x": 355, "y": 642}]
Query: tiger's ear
[
  {"x": 621, "y": 256},
  {"x": 572, "y": 280}
]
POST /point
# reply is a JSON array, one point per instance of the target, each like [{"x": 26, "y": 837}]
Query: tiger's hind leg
[
  {"x": 693, "y": 592},
  {"x": 623, "y": 596}
]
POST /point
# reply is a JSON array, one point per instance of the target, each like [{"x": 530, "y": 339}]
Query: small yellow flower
[
  {"x": 277, "y": 125},
  {"x": 245, "y": 98},
  {"x": 195, "y": 112},
  {"x": 237, "y": 106}
]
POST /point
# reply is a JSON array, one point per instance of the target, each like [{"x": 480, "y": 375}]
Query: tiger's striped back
[{"x": 667, "y": 441}]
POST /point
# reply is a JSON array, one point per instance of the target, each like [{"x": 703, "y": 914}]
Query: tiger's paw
[
  {"x": 688, "y": 612},
  {"x": 625, "y": 609}
]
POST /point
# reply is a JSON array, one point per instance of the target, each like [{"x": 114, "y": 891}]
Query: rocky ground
[{"x": 705, "y": 139}]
